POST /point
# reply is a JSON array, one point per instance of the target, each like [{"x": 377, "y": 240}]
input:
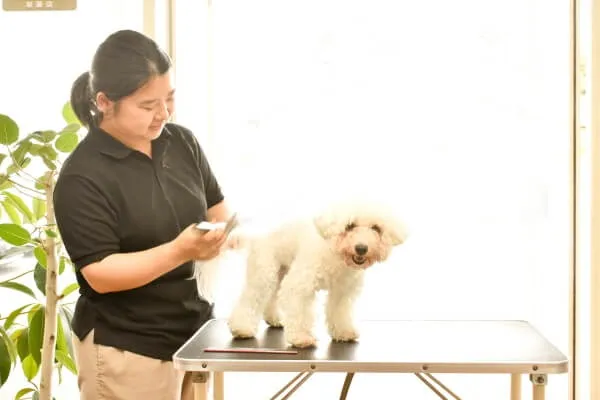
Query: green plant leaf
[
  {"x": 18, "y": 155},
  {"x": 69, "y": 115},
  {"x": 68, "y": 313},
  {"x": 39, "y": 276},
  {"x": 30, "y": 367},
  {"x": 66, "y": 142},
  {"x": 65, "y": 359},
  {"x": 17, "y": 166},
  {"x": 48, "y": 153},
  {"x": 14, "y": 234},
  {"x": 6, "y": 184},
  {"x": 2, "y": 157},
  {"x": 9, "y": 130},
  {"x": 65, "y": 321},
  {"x": 22, "y": 341},
  {"x": 12, "y": 212},
  {"x": 18, "y": 287},
  {"x": 50, "y": 233},
  {"x": 19, "y": 203},
  {"x": 70, "y": 289},
  {"x": 36, "y": 335},
  {"x": 5, "y": 363},
  {"x": 40, "y": 256},
  {"x": 34, "y": 150},
  {"x": 38, "y": 207},
  {"x": 23, "y": 392},
  {"x": 70, "y": 128},
  {"x": 14, "y": 315},
  {"x": 43, "y": 180},
  {"x": 61, "y": 338},
  {"x": 44, "y": 136},
  {"x": 11, "y": 348},
  {"x": 49, "y": 164},
  {"x": 61, "y": 265},
  {"x": 32, "y": 312}
]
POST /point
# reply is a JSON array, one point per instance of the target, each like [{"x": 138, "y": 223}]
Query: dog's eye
[
  {"x": 376, "y": 228},
  {"x": 350, "y": 226}
]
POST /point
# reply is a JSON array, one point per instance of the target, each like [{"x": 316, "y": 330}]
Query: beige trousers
[{"x": 107, "y": 373}]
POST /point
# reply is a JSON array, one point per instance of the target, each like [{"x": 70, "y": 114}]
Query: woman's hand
[{"x": 194, "y": 244}]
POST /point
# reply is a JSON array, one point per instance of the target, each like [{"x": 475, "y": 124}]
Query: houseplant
[{"x": 37, "y": 333}]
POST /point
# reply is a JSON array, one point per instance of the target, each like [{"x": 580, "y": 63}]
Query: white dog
[{"x": 288, "y": 266}]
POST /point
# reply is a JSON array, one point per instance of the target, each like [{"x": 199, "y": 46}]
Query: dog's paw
[
  {"x": 345, "y": 335},
  {"x": 273, "y": 320},
  {"x": 302, "y": 340},
  {"x": 241, "y": 331}
]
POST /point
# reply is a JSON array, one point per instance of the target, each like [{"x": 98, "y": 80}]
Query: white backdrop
[{"x": 457, "y": 113}]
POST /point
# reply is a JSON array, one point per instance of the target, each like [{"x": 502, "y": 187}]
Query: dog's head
[{"x": 361, "y": 234}]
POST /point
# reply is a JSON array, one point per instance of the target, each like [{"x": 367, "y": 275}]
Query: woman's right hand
[{"x": 194, "y": 244}]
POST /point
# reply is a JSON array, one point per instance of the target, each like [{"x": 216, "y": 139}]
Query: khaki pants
[{"x": 107, "y": 373}]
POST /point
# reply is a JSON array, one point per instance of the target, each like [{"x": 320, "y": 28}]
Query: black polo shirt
[{"x": 112, "y": 199}]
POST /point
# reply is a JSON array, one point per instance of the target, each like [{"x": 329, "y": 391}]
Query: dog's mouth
[{"x": 359, "y": 260}]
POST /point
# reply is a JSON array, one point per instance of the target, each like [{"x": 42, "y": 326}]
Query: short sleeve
[
  {"x": 85, "y": 219},
  {"x": 214, "y": 194}
]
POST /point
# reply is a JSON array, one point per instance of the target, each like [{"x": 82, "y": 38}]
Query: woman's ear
[{"x": 103, "y": 103}]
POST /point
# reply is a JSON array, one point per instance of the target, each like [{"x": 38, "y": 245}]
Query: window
[
  {"x": 455, "y": 112},
  {"x": 42, "y": 54}
]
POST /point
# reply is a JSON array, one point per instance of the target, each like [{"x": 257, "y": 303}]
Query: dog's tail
[{"x": 206, "y": 273}]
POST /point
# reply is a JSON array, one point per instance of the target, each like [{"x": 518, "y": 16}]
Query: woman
[{"x": 126, "y": 201}]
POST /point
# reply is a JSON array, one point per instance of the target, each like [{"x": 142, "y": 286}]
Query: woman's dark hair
[{"x": 123, "y": 63}]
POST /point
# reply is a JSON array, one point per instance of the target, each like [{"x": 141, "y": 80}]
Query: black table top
[{"x": 384, "y": 346}]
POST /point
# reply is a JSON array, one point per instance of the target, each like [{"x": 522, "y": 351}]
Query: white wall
[{"x": 455, "y": 112}]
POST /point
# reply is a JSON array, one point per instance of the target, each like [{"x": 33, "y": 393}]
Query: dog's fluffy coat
[{"x": 286, "y": 268}]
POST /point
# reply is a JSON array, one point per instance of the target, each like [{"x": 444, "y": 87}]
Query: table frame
[{"x": 209, "y": 381}]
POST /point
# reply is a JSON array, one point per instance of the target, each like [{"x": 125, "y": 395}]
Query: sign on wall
[{"x": 38, "y": 5}]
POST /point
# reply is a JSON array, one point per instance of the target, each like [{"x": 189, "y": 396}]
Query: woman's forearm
[{"x": 124, "y": 271}]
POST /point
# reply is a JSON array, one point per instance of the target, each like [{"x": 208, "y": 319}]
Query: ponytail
[{"x": 81, "y": 100}]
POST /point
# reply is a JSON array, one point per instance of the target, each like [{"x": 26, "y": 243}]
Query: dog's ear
[
  {"x": 325, "y": 225},
  {"x": 397, "y": 232}
]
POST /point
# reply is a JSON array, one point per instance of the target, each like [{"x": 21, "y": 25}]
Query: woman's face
[{"x": 140, "y": 117}]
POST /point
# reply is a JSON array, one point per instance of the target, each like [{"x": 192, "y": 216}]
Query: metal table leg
[
  {"x": 346, "y": 387},
  {"x": 294, "y": 384}
]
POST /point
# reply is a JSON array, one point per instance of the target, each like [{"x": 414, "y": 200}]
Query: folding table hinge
[
  {"x": 200, "y": 377},
  {"x": 539, "y": 379}
]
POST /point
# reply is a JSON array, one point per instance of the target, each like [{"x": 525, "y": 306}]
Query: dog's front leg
[
  {"x": 262, "y": 279},
  {"x": 297, "y": 304},
  {"x": 339, "y": 311}
]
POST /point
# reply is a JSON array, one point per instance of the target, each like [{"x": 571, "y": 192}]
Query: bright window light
[{"x": 457, "y": 113}]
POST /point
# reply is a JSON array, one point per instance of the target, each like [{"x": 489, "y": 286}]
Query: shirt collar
[{"x": 107, "y": 144}]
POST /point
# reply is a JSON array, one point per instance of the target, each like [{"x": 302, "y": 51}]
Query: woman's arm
[
  {"x": 114, "y": 273},
  {"x": 88, "y": 226},
  {"x": 219, "y": 212}
]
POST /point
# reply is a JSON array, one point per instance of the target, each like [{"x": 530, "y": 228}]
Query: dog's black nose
[{"x": 361, "y": 249}]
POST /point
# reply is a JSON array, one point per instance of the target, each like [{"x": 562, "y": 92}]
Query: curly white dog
[{"x": 289, "y": 265}]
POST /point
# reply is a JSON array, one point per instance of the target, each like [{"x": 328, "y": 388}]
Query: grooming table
[{"x": 422, "y": 348}]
